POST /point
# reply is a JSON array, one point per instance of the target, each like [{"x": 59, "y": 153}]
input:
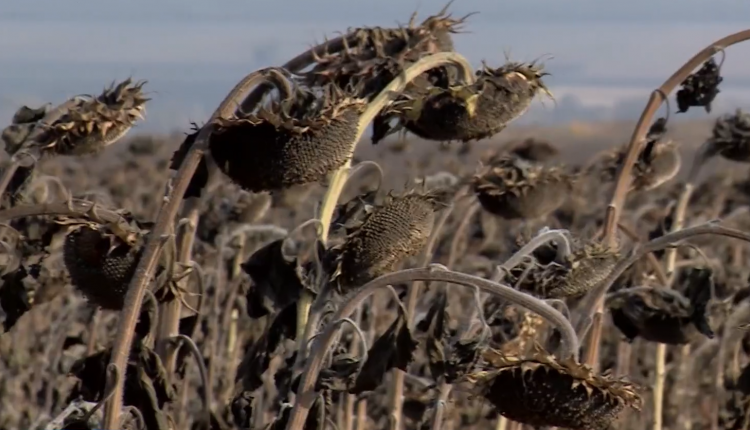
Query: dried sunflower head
[
  {"x": 373, "y": 56},
  {"x": 397, "y": 229},
  {"x": 700, "y": 88},
  {"x": 471, "y": 111},
  {"x": 730, "y": 137},
  {"x": 101, "y": 260},
  {"x": 513, "y": 188},
  {"x": 657, "y": 163},
  {"x": 661, "y": 314},
  {"x": 543, "y": 391},
  {"x": 296, "y": 141},
  {"x": 87, "y": 125},
  {"x": 573, "y": 275}
]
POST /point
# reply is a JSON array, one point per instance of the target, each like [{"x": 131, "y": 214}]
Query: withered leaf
[
  {"x": 258, "y": 356},
  {"x": 393, "y": 349},
  {"x": 277, "y": 281},
  {"x": 14, "y": 299},
  {"x": 435, "y": 343},
  {"x": 200, "y": 178},
  {"x": 349, "y": 215},
  {"x": 242, "y": 409},
  {"x": 146, "y": 386},
  {"x": 340, "y": 375},
  {"x": 700, "y": 88}
]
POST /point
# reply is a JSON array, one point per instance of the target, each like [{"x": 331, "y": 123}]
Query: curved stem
[
  {"x": 147, "y": 263},
  {"x": 338, "y": 178},
  {"x": 184, "y": 340},
  {"x": 622, "y": 185},
  {"x": 324, "y": 342}
]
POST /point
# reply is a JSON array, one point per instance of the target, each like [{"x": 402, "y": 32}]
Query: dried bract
[
  {"x": 296, "y": 141},
  {"x": 513, "y": 188},
  {"x": 469, "y": 112},
  {"x": 391, "y": 232},
  {"x": 700, "y": 88},
  {"x": 543, "y": 391},
  {"x": 663, "y": 315}
]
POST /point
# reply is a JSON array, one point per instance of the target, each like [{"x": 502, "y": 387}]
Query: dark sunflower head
[
  {"x": 730, "y": 137},
  {"x": 101, "y": 260},
  {"x": 660, "y": 314},
  {"x": 513, "y": 188},
  {"x": 389, "y": 233},
  {"x": 87, "y": 125},
  {"x": 543, "y": 391},
  {"x": 295, "y": 141},
  {"x": 555, "y": 276}
]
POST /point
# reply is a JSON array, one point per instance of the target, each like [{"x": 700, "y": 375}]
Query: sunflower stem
[
  {"x": 323, "y": 342},
  {"x": 147, "y": 263},
  {"x": 624, "y": 177}
]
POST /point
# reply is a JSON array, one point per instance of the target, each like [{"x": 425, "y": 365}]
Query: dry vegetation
[{"x": 278, "y": 281}]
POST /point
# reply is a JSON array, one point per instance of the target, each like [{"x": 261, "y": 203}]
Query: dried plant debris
[
  {"x": 543, "y": 391},
  {"x": 388, "y": 234},
  {"x": 554, "y": 275},
  {"x": 664, "y": 315},
  {"x": 731, "y": 137},
  {"x": 278, "y": 279},
  {"x": 87, "y": 126},
  {"x": 371, "y": 57},
  {"x": 101, "y": 259},
  {"x": 513, "y": 188},
  {"x": 467, "y": 112},
  {"x": 296, "y": 141},
  {"x": 146, "y": 384},
  {"x": 449, "y": 357},
  {"x": 658, "y": 162},
  {"x": 393, "y": 349},
  {"x": 700, "y": 88},
  {"x": 349, "y": 215}
]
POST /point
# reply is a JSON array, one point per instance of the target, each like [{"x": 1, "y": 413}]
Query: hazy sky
[{"x": 607, "y": 55}]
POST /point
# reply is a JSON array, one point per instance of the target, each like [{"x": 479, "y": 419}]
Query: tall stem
[
  {"x": 147, "y": 263},
  {"x": 634, "y": 146}
]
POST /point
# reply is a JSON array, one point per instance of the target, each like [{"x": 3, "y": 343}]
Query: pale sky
[{"x": 607, "y": 55}]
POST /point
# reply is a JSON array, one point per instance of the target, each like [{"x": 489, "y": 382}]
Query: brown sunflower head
[
  {"x": 661, "y": 314},
  {"x": 730, "y": 137},
  {"x": 657, "y": 163},
  {"x": 86, "y": 126},
  {"x": 389, "y": 233},
  {"x": 295, "y": 141},
  {"x": 373, "y": 56},
  {"x": 101, "y": 259},
  {"x": 513, "y": 188},
  {"x": 469, "y": 112},
  {"x": 573, "y": 275},
  {"x": 543, "y": 391}
]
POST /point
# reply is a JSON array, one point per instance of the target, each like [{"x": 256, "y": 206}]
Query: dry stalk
[
  {"x": 622, "y": 184},
  {"x": 338, "y": 178},
  {"x": 660, "y": 373},
  {"x": 169, "y": 313},
  {"x": 164, "y": 220},
  {"x": 323, "y": 342}
]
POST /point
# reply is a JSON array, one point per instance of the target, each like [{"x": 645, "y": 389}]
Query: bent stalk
[
  {"x": 147, "y": 264},
  {"x": 637, "y": 139}
]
